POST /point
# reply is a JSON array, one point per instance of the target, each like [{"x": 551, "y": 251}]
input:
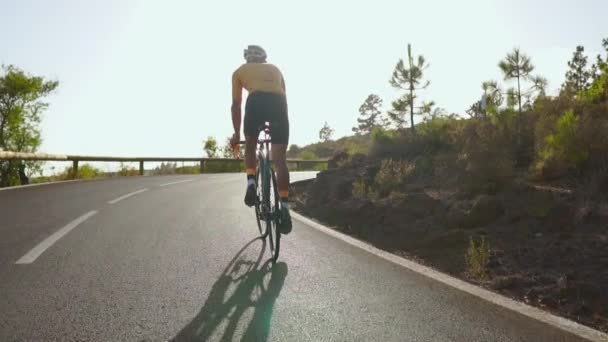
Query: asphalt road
[{"x": 180, "y": 262}]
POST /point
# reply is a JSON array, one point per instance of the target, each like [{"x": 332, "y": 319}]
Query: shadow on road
[{"x": 240, "y": 289}]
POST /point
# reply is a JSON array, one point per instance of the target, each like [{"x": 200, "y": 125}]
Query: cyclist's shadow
[{"x": 245, "y": 280}]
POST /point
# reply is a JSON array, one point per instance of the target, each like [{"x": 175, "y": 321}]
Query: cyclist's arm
[{"x": 237, "y": 98}]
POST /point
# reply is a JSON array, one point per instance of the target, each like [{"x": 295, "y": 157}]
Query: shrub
[
  {"x": 392, "y": 175},
  {"x": 477, "y": 257},
  {"x": 188, "y": 170},
  {"x": 320, "y": 167},
  {"x": 563, "y": 148},
  {"x": 126, "y": 170},
  {"x": 437, "y": 132},
  {"x": 597, "y": 92},
  {"x": 85, "y": 171},
  {"x": 220, "y": 166},
  {"x": 487, "y": 154},
  {"x": 360, "y": 189},
  {"x": 381, "y": 136},
  {"x": 308, "y": 155}
]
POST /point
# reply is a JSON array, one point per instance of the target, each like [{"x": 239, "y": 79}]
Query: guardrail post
[
  {"x": 75, "y": 169},
  {"x": 141, "y": 167}
]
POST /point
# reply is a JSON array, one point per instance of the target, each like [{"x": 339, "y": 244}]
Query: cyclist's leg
[
  {"x": 251, "y": 123},
  {"x": 280, "y": 139},
  {"x": 250, "y": 194},
  {"x": 250, "y": 153},
  {"x": 279, "y": 155}
]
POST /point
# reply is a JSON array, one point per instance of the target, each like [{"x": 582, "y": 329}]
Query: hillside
[
  {"x": 513, "y": 201},
  {"x": 351, "y": 144}
]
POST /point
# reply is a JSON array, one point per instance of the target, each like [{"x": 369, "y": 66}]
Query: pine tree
[
  {"x": 516, "y": 65},
  {"x": 578, "y": 77},
  {"x": 326, "y": 133},
  {"x": 407, "y": 76},
  {"x": 370, "y": 115}
]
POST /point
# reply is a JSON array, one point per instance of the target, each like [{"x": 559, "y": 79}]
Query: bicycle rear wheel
[
  {"x": 274, "y": 236},
  {"x": 259, "y": 208}
]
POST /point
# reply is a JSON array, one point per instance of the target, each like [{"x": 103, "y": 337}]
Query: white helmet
[{"x": 254, "y": 53}]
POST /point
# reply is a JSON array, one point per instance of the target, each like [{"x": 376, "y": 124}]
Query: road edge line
[
  {"x": 47, "y": 243},
  {"x": 17, "y": 187},
  {"x": 487, "y": 295}
]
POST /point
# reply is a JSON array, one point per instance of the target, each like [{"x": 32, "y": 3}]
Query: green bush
[
  {"x": 597, "y": 92},
  {"x": 308, "y": 155},
  {"x": 563, "y": 148},
  {"x": 437, "y": 132},
  {"x": 188, "y": 170},
  {"x": 320, "y": 167},
  {"x": 381, "y": 136},
  {"x": 486, "y": 155},
  {"x": 85, "y": 171},
  {"x": 392, "y": 175},
  {"x": 224, "y": 166},
  {"x": 360, "y": 189},
  {"x": 126, "y": 170}
]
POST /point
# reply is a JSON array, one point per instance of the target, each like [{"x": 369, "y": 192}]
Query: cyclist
[{"x": 266, "y": 102}]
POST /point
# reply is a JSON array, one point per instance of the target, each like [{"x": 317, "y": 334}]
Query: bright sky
[{"x": 153, "y": 77}]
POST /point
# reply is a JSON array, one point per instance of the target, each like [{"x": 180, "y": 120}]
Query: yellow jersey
[{"x": 263, "y": 77}]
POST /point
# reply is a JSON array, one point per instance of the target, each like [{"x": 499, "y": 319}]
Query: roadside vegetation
[{"x": 512, "y": 194}]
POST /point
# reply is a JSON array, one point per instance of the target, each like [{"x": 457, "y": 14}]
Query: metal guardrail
[{"x": 75, "y": 159}]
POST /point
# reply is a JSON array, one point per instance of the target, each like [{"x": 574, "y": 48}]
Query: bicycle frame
[
  {"x": 267, "y": 208},
  {"x": 264, "y": 156}
]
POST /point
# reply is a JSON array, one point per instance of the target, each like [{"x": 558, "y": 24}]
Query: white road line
[
  {"x": 497, "y": 299},
  {"x": 127, "y": 196},
  {"x": 17, "y": 187},
  {"x": 178, "y": 182},
  {"x": 48, "y": 242}
]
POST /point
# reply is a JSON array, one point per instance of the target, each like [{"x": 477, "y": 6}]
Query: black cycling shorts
[{"x": 264, "y": 107}]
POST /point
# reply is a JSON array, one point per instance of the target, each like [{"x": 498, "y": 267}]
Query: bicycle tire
[
  {"x": 258, "y": 205},
  {"x": 274, "y": 236}
]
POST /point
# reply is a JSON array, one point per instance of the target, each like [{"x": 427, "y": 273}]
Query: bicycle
[{"x": 267, "y": 199}]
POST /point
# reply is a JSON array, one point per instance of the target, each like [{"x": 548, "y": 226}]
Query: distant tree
[
  {"x": 227, "y": 151},
  {"x": 539, "y": 85},
  {"x": 309, "y": 155},
  {"x": 476, "y": 110},
  {"x": 601, "y": 64},
  {"x": 166, "y": 168},
  {"x": 578, "y": 77},
  {"x": 512, "y": 98},
  {"x": 430, "y": 112},
  {"x": 492, "y": 93},
  {"x": 326, "y": 133},
  {"x": 294, "y": 151},
  {"x": 20, "y": 115},
  {"x": 370, "y": 115},
  {"x": 491, "y": 99},
  {"x": 401, "y": 107},
  {"x": 210, "y": 147},
  {"x": 407, "y": 76},
  {"x": 516, "y": 65}
]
